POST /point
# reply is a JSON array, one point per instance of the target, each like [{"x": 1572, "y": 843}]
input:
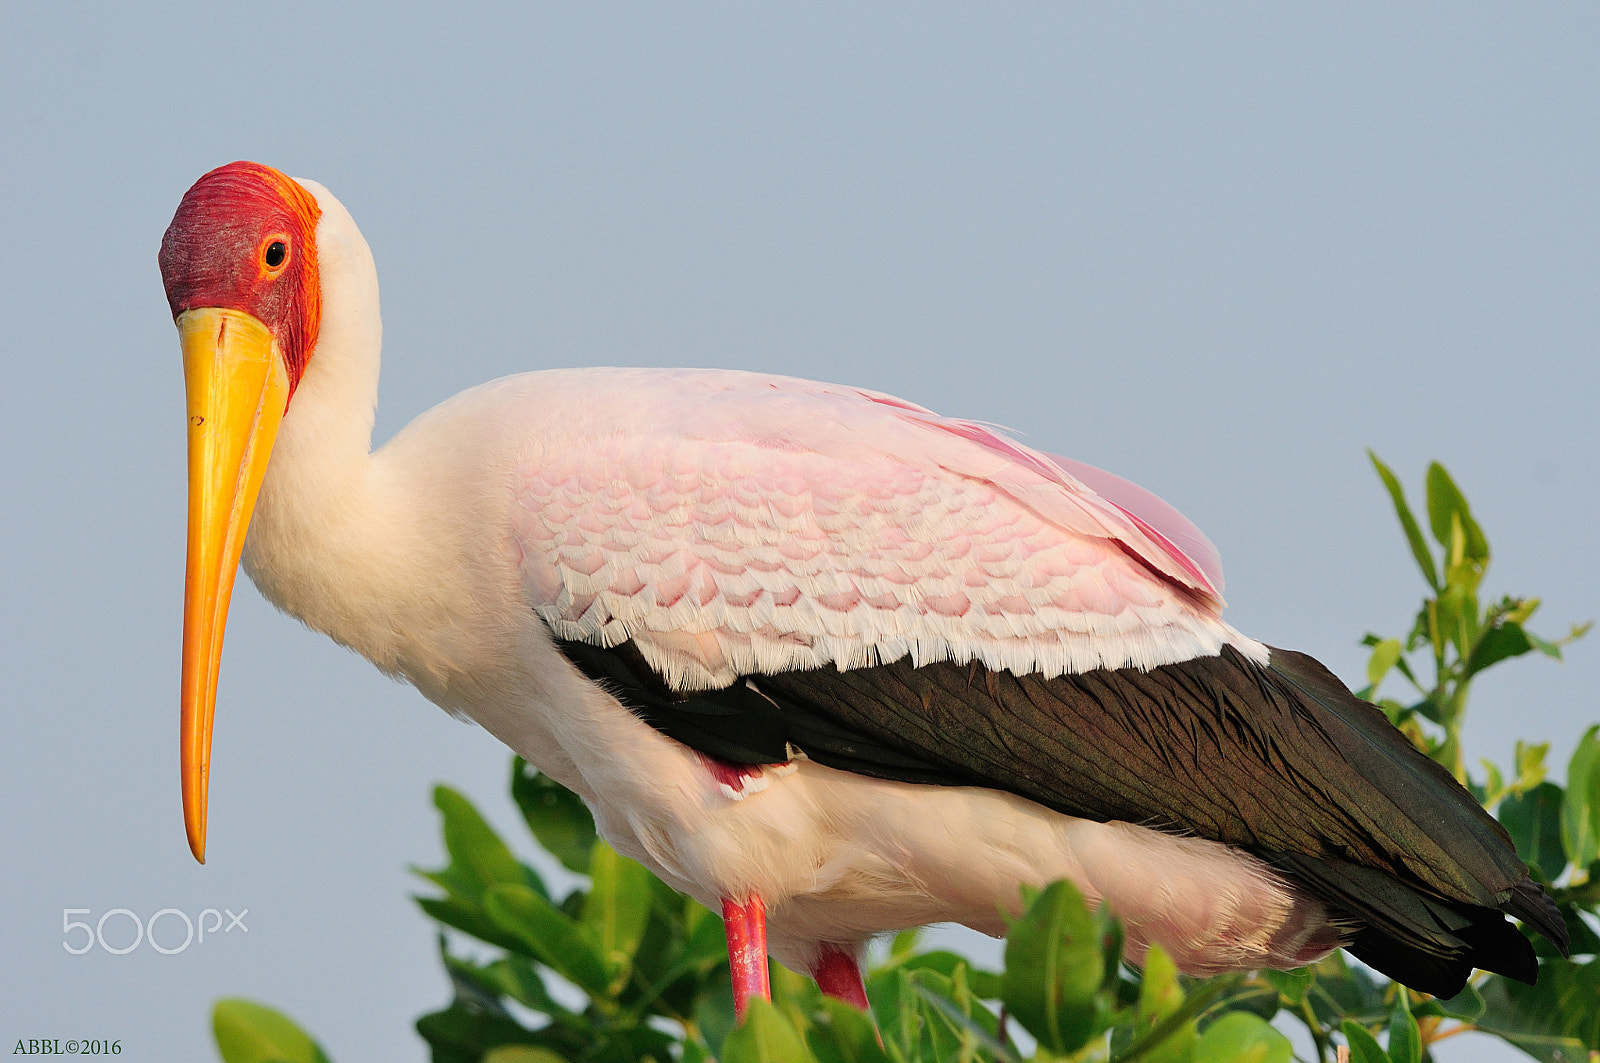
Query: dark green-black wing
[{"x": 1280, "y": 760}]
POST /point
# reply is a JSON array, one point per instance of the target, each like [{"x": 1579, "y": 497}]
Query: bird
[{"x": 829, "y": 662}]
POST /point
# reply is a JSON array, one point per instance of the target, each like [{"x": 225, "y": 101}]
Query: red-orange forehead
[
  {"x": 252, "y": 185},
  {"x": 216, "y": 254}
]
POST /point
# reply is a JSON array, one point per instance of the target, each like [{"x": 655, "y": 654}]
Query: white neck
[{"x": 311, "y": 547}]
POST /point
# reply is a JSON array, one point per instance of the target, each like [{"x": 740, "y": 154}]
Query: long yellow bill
[{"x": 238, "y": 389}]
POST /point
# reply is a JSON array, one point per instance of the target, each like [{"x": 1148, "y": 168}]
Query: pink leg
[
  {"x": 838, "y": 975},
  {"x": 746, "y": 925}
]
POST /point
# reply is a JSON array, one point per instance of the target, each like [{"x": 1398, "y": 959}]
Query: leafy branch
[{"x": 621, "y": 968}]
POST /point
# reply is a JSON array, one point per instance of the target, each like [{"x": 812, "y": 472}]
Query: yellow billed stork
[{"x": 817, "y": 656}]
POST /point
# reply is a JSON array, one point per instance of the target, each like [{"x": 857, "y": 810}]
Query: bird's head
[
  {"x": 244, "y": 242},
  {"x": 239, "y": 262}
]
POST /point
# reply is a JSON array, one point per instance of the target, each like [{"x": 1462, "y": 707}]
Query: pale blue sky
[{"x": 1219, "y": 252}]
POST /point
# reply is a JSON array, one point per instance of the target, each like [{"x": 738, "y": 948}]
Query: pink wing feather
[
  {"x": 1173, "y": 534},
  {"x": 1156, "y": 517},
  {"x": 731, "y": 523}
]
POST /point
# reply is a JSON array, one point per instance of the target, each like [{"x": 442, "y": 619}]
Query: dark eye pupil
[{"x": 276, "y": 253}]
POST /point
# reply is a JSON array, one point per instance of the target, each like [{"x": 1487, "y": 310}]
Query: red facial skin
[{"x": 219, "y": 252}]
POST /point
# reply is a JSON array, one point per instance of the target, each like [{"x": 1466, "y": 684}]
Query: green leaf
[
  {"x": 1398, "y": 714},
  {"x": 1533, "y": 820},
  {"x": 248, "y": 1032},
  {"x": 1580, "y": 808},
  {"x": 518, "y": 978},
  {"x": 713, "y": 1009},
  {"x": 561, "y": 942},
  {"x": 462, "y": 1032},
  {"x": 617, "y": 908},
  {"x": 1385, "y": 655},
  {"x": 522, "y": 1054},
  {"x": 1530, "y": 765},
  {"x": 1504, "y": 640},
  {"x": 1456, "y": 614},
  {"x": 1466, "y": 1005},
  {"x": 1160, "y": 996},
  {"x": 474, "y": 985},
  {"x": 1582, "y": 939},
  {"x": 1574, "y": 633},
  {"x": 843, "y": 1034},
  {"x": 705, "y": 938},
  {"x": 949, "y": 1031},
  {"x": 905, "y": 942},
  {"x": 630, "y": 1044},
  {"x": 1405, "y": 1040},
  {"x": 1447, "y": 506},
  {"x": 682, "y": 946},
  {"x": 1345, "y": 992},
  {"x": 1113, "y": 941},
  {"x": 793, "y": 994},
  {"x": 1239, "y": 1037},
  {"x": 1364, "y": 1048},
  {"x": 478, "y": 858},
  {"x": 764, "y": 1036},
  {"x": 985, "y": 984},
  {"x": 963, "y": 1029},
  {"x": 1419, "y": 545},
  {"x": 1556, "y": 1020},
  {"x": 1494, "y": 785},
  {"x": 467, "y": 916},
  {"x": 1159, "y": 992},
  {"x": 1054, "y": 966},
  {"x": 895, "y": 1008},
  {"x": 1292, "y": 985},
  {"x": 556, "y": 816}
]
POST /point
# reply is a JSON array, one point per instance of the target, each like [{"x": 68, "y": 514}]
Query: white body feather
[{"x": 764, "y": 524}]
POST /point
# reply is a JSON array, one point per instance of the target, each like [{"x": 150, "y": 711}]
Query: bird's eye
[{"x": 275, "y": 254}]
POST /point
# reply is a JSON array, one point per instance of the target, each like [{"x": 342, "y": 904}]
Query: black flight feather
[{"x": 1280, "y": 760}]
